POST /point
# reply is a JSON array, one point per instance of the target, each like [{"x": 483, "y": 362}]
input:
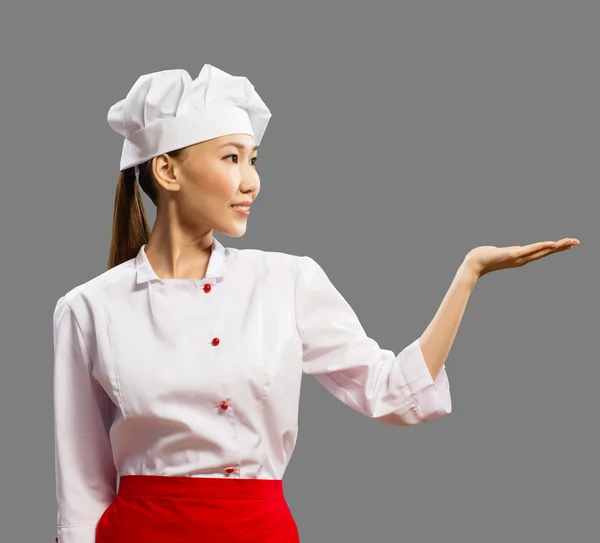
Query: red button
[
  {"x": 230, "y": 470},
  {"x": 207, "y": 287},
  {"x": 216, "y": 341},
  {"x": 224, "y": 405}
]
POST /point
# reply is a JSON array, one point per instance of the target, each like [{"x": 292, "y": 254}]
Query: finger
[
  {"x": 542, "y": 254},
  {"x": 565, "y": 244},
  {"x": 528, "y": 250},
  {"x": 548, "y": 251},
  {"x": 568, "y": 241}
]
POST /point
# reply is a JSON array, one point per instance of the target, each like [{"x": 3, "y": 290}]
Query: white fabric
[
  {"x": 168, "y": 110},
  {"x": 138, "y": 383}
]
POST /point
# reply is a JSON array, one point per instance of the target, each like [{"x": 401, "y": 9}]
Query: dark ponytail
[{"x": 131, "y": 229}]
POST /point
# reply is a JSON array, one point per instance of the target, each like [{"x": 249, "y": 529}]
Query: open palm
[{"x": 488, "y": 258}]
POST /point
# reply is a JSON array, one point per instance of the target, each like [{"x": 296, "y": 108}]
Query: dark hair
[{"x": 130, "y": 223}]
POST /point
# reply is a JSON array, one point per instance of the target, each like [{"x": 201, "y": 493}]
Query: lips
[{"x": 242, "y": 209}]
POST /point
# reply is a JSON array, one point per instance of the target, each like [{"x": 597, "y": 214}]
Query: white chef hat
[{"x": 168, "y": 110}]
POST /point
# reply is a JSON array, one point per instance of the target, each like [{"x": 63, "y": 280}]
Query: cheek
[
  {"x": 225, "y": 182},
  {"x": 227, "y": 187},
  {"x": 218, "y": 186}
]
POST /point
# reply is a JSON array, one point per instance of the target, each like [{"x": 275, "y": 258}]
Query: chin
[{"x": 232, "y": 232}]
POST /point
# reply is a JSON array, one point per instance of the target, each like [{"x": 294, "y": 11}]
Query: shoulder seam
[
  {"x": 79, "y": 329},
  {"x": 298, "y": 272}
]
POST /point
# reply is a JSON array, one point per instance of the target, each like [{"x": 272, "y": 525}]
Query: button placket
[{"x": 224, "y": 407}]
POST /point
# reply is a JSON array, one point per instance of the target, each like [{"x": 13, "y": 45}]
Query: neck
[{"x": 175, "y": 253}]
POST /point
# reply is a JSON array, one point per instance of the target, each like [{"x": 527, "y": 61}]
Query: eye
[{"x": 235, "y": 157}]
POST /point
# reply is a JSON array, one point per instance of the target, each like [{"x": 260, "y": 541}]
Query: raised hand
[{"x": 487, "y": 258}]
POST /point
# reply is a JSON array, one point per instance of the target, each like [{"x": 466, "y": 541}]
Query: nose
[{"x": 250, "y": 180}]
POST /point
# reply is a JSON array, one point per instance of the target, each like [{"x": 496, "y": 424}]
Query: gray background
[{"x": 403, "y": 135}]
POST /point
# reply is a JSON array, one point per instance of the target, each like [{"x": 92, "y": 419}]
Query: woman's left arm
[
  {"x": 437, "y": 339},
  {"x": 401, "y": 389}
]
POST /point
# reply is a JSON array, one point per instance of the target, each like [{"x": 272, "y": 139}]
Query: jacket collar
[{"x": 216, "y": 265}]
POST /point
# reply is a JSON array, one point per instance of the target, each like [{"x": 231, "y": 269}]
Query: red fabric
[{"x": 197, "y": 510}]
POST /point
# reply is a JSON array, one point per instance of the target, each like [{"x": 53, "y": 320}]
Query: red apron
[{"x": 197, "y": 510}]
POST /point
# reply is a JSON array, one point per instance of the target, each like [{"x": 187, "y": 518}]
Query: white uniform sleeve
[
  {"x": 394, "y": 389},
  {"x": 85, "y": 472}
]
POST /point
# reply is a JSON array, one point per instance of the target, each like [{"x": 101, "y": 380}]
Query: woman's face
[{"x": 215, "y": 176}]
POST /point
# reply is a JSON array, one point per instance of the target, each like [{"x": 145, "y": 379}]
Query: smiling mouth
[{"x": 244, "y": 211}]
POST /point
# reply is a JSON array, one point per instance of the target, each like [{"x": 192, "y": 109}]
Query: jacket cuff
[{"x": 83, "y": 533}]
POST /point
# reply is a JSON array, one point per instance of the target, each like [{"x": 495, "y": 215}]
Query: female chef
[{"x": 177, "y": 371}]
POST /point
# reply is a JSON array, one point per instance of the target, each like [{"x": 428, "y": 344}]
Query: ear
[{"x": 167, "y": 172}]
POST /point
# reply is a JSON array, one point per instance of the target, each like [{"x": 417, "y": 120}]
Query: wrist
[{"x": 469, "y": 271}]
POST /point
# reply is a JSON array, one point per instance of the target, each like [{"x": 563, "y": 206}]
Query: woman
[{"x": 178, "y": 370}]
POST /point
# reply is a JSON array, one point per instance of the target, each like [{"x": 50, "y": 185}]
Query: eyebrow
[{"x": 238, "y": 145}]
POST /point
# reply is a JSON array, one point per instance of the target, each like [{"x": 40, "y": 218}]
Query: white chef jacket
[{"x": 186, "y": 377}]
